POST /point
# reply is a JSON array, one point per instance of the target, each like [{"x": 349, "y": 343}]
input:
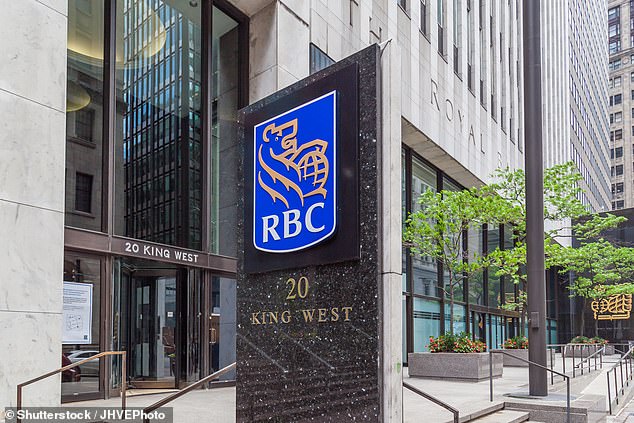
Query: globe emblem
[{"x": 307, "y": 166}]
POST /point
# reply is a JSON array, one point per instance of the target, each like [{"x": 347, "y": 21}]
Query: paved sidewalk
[{"x": 218, "y": 405}]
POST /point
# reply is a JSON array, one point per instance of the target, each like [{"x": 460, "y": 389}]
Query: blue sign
[{"x": 295, "y": 177}]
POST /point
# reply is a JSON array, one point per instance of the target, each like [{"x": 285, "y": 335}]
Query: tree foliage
[{"x": 436, "y": 231}]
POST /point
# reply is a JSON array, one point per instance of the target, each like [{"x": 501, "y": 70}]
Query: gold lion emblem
[{"x": 307, "y": 162}]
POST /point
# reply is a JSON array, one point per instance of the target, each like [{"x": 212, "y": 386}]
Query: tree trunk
[
  {"x": 582, "y": 317},
  {"x": 451, "y": 301}
]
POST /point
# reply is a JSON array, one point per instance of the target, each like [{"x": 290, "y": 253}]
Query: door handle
[{"x": 212, "y": 336}]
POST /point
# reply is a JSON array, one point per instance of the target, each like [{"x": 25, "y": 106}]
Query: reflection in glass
[
  {"x": 158, "y": 186},
  {"x": 156, "y": 318},
  {"x": 404, "y": 331},
  {"x": 476, "y": 282},
  {"x": 426, "y": 322},
  {"x": 424, "y": 268},
  {"x": 459, "y": 318},
  {"x": 404, "y": 215},
  {"x": 222, "y": 332},
  {"x": 84, "y": 115},
  {"x": 509, "y": 285},
  {"x": 493, "y": 242},
  {"x": 224, "y": 134},
  {"x": 84, "y": 378}
]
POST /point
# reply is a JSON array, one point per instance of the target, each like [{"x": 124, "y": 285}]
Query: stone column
[{"x": 32, "y": 157}]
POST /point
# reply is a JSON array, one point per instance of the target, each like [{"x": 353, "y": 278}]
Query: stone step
[{"x": 504, "y": 416}]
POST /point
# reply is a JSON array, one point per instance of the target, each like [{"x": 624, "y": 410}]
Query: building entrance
[
  {"x": 158, "y": 310},
  {"x": 152, "y": 332}
]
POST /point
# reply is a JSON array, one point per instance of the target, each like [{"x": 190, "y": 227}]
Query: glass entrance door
[
  {"x": 220, "y": 327},
  {"x": 153, "y": 332}
]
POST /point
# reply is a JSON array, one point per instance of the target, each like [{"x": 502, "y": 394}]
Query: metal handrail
[
  {"x": 491, "y": 352},
  {"x": 600, "y": 350},
  {"x": 70, "y": 366},
  {"x": 629, "y": 374},
  {"x": 175, "y": 395},
  {"x": 455, "y": 412}
]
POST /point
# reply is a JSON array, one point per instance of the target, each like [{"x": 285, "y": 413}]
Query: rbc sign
[{"x": 295, "y": 177}]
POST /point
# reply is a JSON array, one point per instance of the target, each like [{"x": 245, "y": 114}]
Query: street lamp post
[{"x": 533, "y": 156}]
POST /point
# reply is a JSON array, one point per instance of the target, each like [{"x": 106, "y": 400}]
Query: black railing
[
  {"x": 625, "y": 378},
  {"x": 577, "y": 351},
  {"x": 455, "y": 412},
  {"x": 566, "y": 377}
]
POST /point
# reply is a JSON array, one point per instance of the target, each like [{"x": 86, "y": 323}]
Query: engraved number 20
[{"x": 298, "y": 288}]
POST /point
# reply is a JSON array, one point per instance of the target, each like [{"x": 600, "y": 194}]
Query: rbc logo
[{"x": 295, "y": 171}]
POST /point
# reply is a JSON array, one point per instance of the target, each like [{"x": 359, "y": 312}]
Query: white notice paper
[{"x": 77, "y": 313}]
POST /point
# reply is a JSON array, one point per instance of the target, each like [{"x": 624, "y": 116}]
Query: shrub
[
  {"x": 516, "y": 343},
  {"x": 599, "y": 340},
  {"x": 585, "y": 340},
  {"x": 461, "y": 343}
]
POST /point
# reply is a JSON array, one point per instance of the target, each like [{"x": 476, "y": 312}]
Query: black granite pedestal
[{"x": 308, "y": 342}]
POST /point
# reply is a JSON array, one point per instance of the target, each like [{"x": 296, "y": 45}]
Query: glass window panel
[
  {"x": 493, "y": 242},
  {"x": 86, "y": 272},
  {"x": 426, "y": 322},
  {"x": 143, "y": 162},
  {"x": 476, "y": 281},
  {"x": 84, "y": 115},
  {"x": 424, "y": 268},
  {"x": 224, "y": 152},
  {"x": 509, "y": 286},
  {"x": 404, "y": 214},
  {"x": 459, "y": 318},
  {"x": 404, "y": 331}
]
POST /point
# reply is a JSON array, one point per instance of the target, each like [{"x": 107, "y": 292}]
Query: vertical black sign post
[{"x": 309, "y": 324}]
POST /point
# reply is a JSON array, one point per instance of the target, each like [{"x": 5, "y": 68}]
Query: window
[
  {"x": 470, "y": 45},
  {"x": 440, "y": 16},
  {"x": 613, "y": 13},
  {"x": 617, "y": 82},
  {"x": 618, "y": 152},
  {"x": 84, "y": 122},
  {"x": 618, "y": 170},
  {"x": 83, "y": 192},
  {"x": 615, "y": 46},
  {"x": 615, "y": 64},
  {"x": 615, "y": 100},
  {"x": 423, "y": 17},
  {"x": 457, "y": 41},
  {"x": 620, "y": 204},
  {"x": 617, "y": 188},
  {"x": 318, "y": 59},
  {"x": 616, "y": 117},
  {"x": 632, "y": 76},
  {"x": 403, "y": 4},
  {"x": 618, "y": 135}
]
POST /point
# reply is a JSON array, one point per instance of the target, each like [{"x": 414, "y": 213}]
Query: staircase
[{"x": 505, "y": 416}]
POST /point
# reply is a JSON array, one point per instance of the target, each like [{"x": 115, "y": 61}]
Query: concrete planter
[
  {"x": 513, "y": 361},
  {"x": 470, "y": 367},
  {"x": 581, "y": 350},
  {"x": 519, "y": 353},
  {"x": 609, "y": 350}
]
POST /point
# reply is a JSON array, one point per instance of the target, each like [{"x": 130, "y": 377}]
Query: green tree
[
  {"x": 436, "y": 231},
  {"x": 600, "y": 268},
  {"x": 561, "y": 208}
]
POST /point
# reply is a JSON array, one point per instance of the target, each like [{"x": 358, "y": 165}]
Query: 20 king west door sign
[{"x": 295, "y": 177}]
